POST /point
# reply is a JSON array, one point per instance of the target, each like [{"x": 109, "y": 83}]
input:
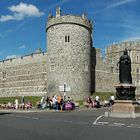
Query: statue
[
  {"x": 125, "y": 90},
  {"x": 125, "y": 68}
]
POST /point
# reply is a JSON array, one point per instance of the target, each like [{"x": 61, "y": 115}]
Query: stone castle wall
[
  {"x": 25, "y": 75},
  {"x": 113, "y": 53},
  {"x": 70, "y": 60},
  {"x": 69, "y": 45},
  {"x": 106, "y": 74}
]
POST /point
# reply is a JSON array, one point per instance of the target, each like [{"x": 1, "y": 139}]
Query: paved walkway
[{"x": 39, "y": 110}]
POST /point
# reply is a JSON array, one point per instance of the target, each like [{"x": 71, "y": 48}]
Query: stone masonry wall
[
  {"x": 113, "y": 53},
  {"x": 24, "y": 76},
  {"x": 68, "y": 61},
  {"x": 71, "y": 59}
]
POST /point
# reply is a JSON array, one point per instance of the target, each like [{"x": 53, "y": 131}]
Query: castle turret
[
  {"x": 58, "y": 12},
  {"x": 68, "y": 53}
]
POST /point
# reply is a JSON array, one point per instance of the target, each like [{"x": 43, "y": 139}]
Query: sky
[{"x": 23, "y": 22}]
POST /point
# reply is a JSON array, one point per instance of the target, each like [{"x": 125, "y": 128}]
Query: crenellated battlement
[
  {"x": 68, "y": 19},
  {"x": 25, "y": 59}
]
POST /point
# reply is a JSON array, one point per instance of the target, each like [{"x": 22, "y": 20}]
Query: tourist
[
  {"x": 54, "y": 103},
  {"x": 105, "y": 103},
  {"x": 48, "y": 103},
  {"x": 9, "y": 105},
  {"x": 16, "y": 103},
  {"x": 90, "y": 103},
  {"x": 69, "y": 105},
  {"x": 111, "y": 100},
  {"x": 28, "y": 105},
  {"x": 22, "y": 102},
  {"x": 42, "y": 100},
  {"x": 59, "y": 102},
  {"x": 97, "y": 102}
]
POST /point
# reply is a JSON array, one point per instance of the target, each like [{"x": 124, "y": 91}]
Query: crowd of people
[
  {"x": 97, "y": 103},
  {"x": 56, "y": 103},
  {"x": 59, "y": 103},
  {"x": 17, "y": 104}
]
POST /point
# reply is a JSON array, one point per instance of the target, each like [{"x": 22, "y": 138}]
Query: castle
[{"x": 70, "y": 65}]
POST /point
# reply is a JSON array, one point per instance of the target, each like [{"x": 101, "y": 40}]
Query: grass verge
[{"x": 33, "y": 99}]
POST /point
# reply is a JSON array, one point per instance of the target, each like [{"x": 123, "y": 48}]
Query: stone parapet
[{"x": 69, "y": 19}]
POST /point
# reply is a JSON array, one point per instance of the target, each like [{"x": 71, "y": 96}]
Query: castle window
[
  {"x": 3, "y": 74},
  {"x": 111, "y": 69},
  {"x": 67, "y": 38},
  {"x": 52, "y": 64},
  {"x": 52, "y": 68},
  {"x": 137, "y": 58},
  {"x": 85, "y": 66},
  {"x": 137, "y": 70},
  {"x": 117, "y": 70}
]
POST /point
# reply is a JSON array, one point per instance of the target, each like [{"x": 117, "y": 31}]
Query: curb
[{"x": 44, "y": 110}]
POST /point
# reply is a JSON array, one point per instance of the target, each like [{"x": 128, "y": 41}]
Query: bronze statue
[
  {"x": 125, "y": 90},
  {"x": 125, "y": 68}
]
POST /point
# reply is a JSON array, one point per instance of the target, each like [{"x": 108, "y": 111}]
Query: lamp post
[{"x": 64, "y": 91}]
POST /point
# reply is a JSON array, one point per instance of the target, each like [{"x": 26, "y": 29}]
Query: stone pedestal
[
  {"x": 124, "y": 109},
  {"x": 125, "y": 105},
  {"x": 125, "y": 92}
]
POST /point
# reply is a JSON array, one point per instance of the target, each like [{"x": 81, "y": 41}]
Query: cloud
[
  {"x": 25, "y": 9},
  {"x": 11, "y": 56},
  {"x": 22, "y": 47},
  {"x": 6, "y": 18},
  {"x": 21, "y": 11},
  {"x": 119, "y": 3}
]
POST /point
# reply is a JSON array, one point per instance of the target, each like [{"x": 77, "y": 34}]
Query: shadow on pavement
[{"x": 4, "y": 113}]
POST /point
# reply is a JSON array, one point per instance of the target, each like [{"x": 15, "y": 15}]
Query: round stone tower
[{"x": 69, "y": 52}]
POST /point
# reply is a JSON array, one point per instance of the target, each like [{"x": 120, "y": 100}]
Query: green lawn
[
  {"x": 103, "y": 95},
  {"x": 33, "y": 99}
]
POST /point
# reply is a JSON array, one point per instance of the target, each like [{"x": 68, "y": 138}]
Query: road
[{"x": 71, "y": 125}]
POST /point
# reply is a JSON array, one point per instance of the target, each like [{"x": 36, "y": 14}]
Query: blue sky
[{"x": 23, "y": 22}]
